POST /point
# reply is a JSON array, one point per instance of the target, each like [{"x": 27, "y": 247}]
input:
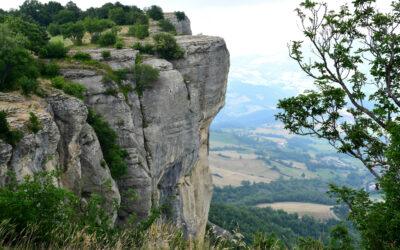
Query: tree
[
  {"x": 117, "y": 15},
  {"x": 134, "y": 17},
  {"x": 36, "y": 36},
  {"x": 140, "y": 31},
  {"x": 71, "y": 6},
  {"x": 65, "y": 16},
  {"x": 52, "y": 8},
  {"x": 355, "y": 103},
  {"x": 53, "y": 29},
  {"x": 16, "y": 62},
  {"x": 96, "y": 26},
  {"x": 36, "y": 10},
  {"x": 180, "y": 15},
  {"x": 74, "y": 31},
  {"x": 155, "y": 12}
]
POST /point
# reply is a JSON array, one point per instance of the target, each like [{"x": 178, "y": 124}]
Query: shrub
[
  {"x": 83, "y": 56},
  {"x": 28, "y": 85},
  {"x": 71, "y": 88},
  {"x": 155, "y": 12},
  {"x": 119, "y": 45},
  {"x": 180, "y": 15},
  {"x": 166, "y": 47},
  {"x": 7, "y": 135},
  {"x": 96, "y": 26},
  {"x": 137, "y": 18},
  {"x": 167, "y": 26},
  {"x": 36, "y": 35},
  {"x": 35, "y": 214},
  {"x": 113, "y": 154},
  {"x": 50, "y": 70},
  {"x": 147, "y": 48},
  {"x": 106, "y": 54},
  {"x": 95, "y": 38},
  {"x": 107, "y": 39},
  {"x": 44, "y": 213},
  {"x": 34, "y": 124},
  {"x": 73, "y": 31},
  {"x": 140, "y": 31},
  {"x": 143, "y": 75},
  {"x": 116, "y": 29},
  {"x": 38, "y": 202},
  {"x": 53, "y": 50}
]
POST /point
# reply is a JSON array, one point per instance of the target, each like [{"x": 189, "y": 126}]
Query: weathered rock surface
[
  {"x": 165, "y": 131},
  {"x": 182, "y": 26},
  {"x": 65, "y": 141}
]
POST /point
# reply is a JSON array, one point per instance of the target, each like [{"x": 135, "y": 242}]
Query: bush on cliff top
[
  {"x": 140, "y": 31},
  {"x": 155, "y": 12},
  {"x": 166, "y": 47},
  {"x": 167, "y": 26},
  {"x": 180, "y": 15}
]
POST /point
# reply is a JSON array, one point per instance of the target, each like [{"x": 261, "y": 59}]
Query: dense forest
[
  {"x": 288, "y": 227},
  {"x": 313, "y": 191},
  {"x": 233, "y": 209}
]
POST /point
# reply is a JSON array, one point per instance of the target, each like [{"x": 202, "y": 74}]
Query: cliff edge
[{"x": 165, "y": 132}]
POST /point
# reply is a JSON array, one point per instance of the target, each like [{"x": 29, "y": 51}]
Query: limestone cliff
[{"x": 165, "y": 132}]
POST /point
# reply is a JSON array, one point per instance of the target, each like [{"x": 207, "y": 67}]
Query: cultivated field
[
  {"x": 317, "y": 211},
  {"x": 224, "y": 177}
]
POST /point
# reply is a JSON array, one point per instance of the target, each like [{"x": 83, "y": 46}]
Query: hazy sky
[
  {"x": 249, "y": 27},
  {"x": 262, "y": 27}
]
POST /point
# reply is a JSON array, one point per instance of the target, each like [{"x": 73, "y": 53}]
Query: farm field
[
  {"x": 269, "y": 153},
  {"x": 318, "y": 211}
]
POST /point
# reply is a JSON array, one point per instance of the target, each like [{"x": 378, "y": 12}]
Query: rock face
[
  {"x": 182, "y": 26},
  {"x": 165, "y": 131},
  {"x": 65, "y": 141}
]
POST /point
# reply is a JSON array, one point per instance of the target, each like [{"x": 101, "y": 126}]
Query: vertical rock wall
[{"x": 165, "y": 132}]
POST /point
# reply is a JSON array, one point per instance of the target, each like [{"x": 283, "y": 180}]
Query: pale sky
[
  {"x": 250, "y": 27},
  {"x": 262, "y": 27}
]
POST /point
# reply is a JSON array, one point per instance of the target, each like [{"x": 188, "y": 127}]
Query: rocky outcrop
[
  {"x": 182, "y": 26},
  {"x": 65, "y": 141},
  {"x": 165, "y": 132}
]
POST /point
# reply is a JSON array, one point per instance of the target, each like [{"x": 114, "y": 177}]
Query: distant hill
[{"x": 253, "y": 91}]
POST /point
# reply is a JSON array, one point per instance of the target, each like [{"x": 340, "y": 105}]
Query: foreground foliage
[
  {"x": 37, "y": 214},
  {"x": 355, "y": 69}
]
